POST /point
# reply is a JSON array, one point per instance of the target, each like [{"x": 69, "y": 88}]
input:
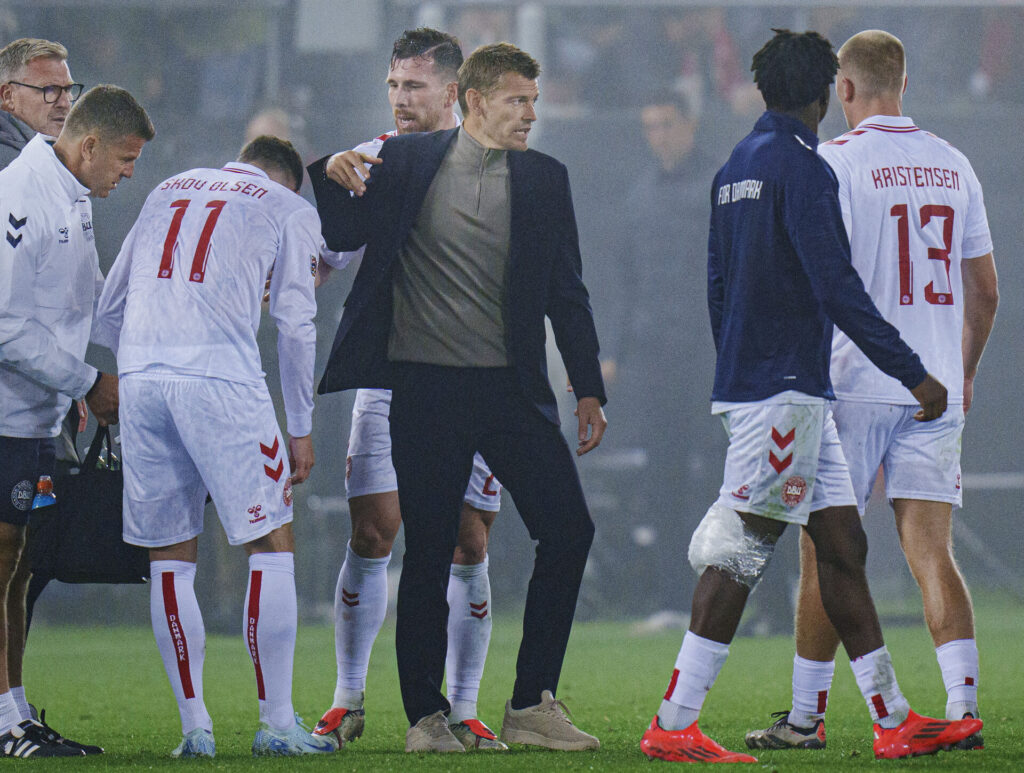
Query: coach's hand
[
  {"x": 932, "y": 396},
  {"x": 349, "y": 171},
  {"x": 102, "y": 399},
  {"x": 300, "y": 457},
  {"x": 591, "y": 417}
]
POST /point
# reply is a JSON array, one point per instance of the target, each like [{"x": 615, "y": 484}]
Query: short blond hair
[
  {"x": 18, "y": 53},
  {"x": 876, "y": 61}
]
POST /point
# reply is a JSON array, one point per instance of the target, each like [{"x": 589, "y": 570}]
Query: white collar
[
  {"x": 893, "y": 121},
  {"x": 39, "y": 155},
  {"x": 240, "y": 168}
]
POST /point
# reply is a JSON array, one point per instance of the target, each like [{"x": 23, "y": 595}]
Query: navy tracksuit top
[{"x": 779, "y": 272}]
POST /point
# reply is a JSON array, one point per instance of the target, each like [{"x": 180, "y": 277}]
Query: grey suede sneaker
[
  {"x": 547, "y": 724},
  {"x": 431, "y": 734}
]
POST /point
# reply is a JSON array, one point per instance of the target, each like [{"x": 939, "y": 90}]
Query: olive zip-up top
[{"x": 451, "y": 278}]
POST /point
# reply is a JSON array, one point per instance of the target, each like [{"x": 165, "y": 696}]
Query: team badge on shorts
[
  {"x": 312, "y": 265},
  {"x": 21, "y": 495},
  {"x": 288, "y": 492},
  {"x": 348, "y": 467},
  {"x": 793, "y": 491}
]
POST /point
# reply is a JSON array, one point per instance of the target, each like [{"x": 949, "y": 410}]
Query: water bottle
[{"x": 44, "y": 493}]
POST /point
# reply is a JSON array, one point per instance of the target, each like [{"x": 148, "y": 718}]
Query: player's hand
[
  {"x": 102, "y": 399},
  {"x": 300, "y": 457},
  {"x": 932, "y": 396},
  {"x": 592, "y": 423},
  {"x": 968, "y": 393},
  {"x": 349, "y": 171},
  {"x": 323, "y": 272}
]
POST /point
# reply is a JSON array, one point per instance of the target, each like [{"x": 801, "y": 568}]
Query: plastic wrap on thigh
[{"x": 721, "y": 540}]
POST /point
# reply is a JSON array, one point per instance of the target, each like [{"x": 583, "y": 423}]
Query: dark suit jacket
[{"x": 544, "y": 271}]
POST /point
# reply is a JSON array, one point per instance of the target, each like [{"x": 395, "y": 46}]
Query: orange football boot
[
  {"x": 687, "y": 745},
  {"x": 918, "y": 735}
]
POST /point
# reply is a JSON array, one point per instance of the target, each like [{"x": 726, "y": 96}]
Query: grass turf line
[{"x": 107, "y": 686}]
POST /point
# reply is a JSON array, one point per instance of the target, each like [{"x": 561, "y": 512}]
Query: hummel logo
[
  {"x": 479, "y": 611},
  {"x": 13, "y": 240},
  {"x": 349, "y": 599}
]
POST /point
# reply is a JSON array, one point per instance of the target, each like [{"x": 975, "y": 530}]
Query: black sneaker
[
  {"x": 973, "y": 741},
  {"x": 29, "y": 739},
  {"x": 54, "y": 737}
]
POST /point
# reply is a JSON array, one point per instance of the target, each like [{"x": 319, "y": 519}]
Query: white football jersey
[
  {"x": 913, "y": 210},
  {"x": 184, "y": 294}
]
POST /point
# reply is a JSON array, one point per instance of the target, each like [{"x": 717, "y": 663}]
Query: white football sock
[
  {"x": 18, "y": 693},
  {"x": 469, "y": 634},
  {"x": 696, "y": 670},
  {"x": 10, "y": 715},
  {"x": 360, "y": 604},
  {"x": 180, "y": 637},
  {"x": 269, "y": 623},
  {"x": 812, "y": 679},
  {"x": 876, "y": 679},
  {"x": 958, "y": 661}
]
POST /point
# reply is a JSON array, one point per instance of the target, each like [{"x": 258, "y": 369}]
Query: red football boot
[
  {"x": 918, "y": 735},
  {"x": 341, "y": 726},
  {"x": 689, "y": 745}
]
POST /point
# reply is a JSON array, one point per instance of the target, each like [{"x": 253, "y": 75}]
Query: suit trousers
[{"x": 440, "y": 416}]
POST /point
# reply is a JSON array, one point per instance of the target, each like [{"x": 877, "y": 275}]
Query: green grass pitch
[{"x": 107, "y": 686}]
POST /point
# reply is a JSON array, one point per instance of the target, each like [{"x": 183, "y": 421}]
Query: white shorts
[
  {"x": 921, "y": 459},
  {"x": 183, "y": 436},
  {"x": 368, "y": 468},
  {"x": 784, "y": 460}
]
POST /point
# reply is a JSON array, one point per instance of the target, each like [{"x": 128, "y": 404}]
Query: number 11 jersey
[
  {"x": 913, "y": 209},
  {"x": 184, "y": 294}
]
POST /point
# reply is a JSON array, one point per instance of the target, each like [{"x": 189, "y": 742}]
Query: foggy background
[{"x": 314, "y": 70}]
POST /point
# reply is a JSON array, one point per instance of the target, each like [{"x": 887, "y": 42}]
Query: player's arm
[
  {"x": 345, "y": 217},
  {"x": 25, "y": 345},
  {"x": 109, "y": 316},
  {"x": 572, "y": 321},
  {"x": 981, "y": 298},
  {"x": 293, "y": 307},
  {"x": 815, "y": 227}
]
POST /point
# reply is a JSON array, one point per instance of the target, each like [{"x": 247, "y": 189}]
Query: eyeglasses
[{"x": 52, "y": 93}]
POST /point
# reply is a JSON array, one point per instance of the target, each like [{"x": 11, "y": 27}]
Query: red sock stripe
[
  {"x": 822, "y": 701},
  {"x": 879, "y": 705},
  {"x": 251, "y": 627},
  {"x": 672, "y": 684},
  {"x": 177, "y": 634}
]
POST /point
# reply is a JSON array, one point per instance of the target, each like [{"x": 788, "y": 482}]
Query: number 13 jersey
[
  {"x": 184, "y": 294},
  {"x": 913, "y": 210}
]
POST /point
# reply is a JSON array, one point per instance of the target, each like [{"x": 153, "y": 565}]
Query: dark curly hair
[{"x": 793, "y": 69}]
